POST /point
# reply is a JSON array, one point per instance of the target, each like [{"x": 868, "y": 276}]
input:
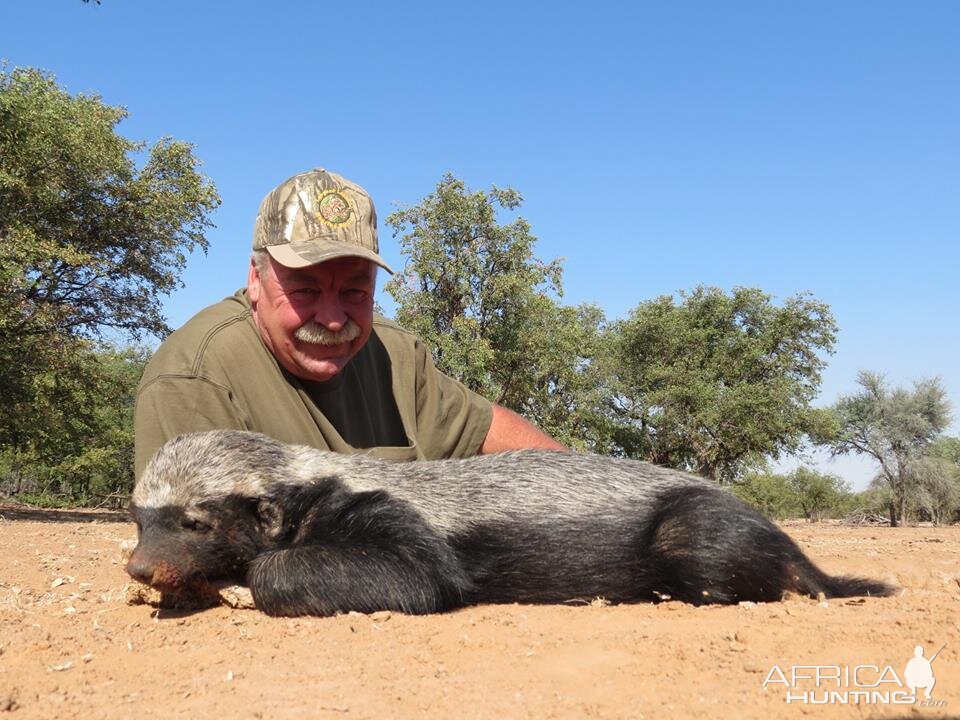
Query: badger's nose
[
  {"x": 140, "y": 570},
  {"x": 158, "y": 572}
]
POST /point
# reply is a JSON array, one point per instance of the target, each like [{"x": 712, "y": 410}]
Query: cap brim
[{"x": 298, "y": 255}]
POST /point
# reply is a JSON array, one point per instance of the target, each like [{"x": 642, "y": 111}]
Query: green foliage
[
  {"x": 945, "y": 448},
  {"x": 551, "y": 375},
  {"x": 803, "y": 493},
  {"x": 937, "y": 474},
  {"x": 87, "y": 240},
  {"x": 897, "y": 428},
  {"x": 78, "y": 444},
  {"x": 770, "y": 493},
  {"x": 474, "y": 291},
  {"x": 94, "y": 230},
  {"x": 818, "y": 493},
  {"x": 717, "y": 381}
]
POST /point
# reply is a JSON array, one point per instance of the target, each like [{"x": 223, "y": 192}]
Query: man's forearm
[{"x": 509, "y": 431}]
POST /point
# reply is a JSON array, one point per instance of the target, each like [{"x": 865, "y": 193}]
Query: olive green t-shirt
[{"x": 216, "y": 373}]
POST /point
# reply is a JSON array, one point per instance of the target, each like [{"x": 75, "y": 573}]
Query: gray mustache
[{"x": 318, "y": 335}]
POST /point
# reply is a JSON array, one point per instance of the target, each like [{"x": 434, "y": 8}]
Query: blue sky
[{"x": 795, "y": 147}]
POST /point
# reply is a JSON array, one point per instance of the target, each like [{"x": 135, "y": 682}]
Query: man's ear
[
  {"x": 253, "y": 282},
  {"x": 270, "y": 516}
]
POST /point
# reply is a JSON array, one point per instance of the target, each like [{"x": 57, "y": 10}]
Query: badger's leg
[
  {"x": 370, "y": 552},
  {"x": 706, "y": 546}
]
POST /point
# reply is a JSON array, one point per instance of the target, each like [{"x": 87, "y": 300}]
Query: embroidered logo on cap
[{"x": 334, "y": 209}]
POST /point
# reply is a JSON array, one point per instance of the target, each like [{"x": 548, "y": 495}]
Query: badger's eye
[{"x": 194, "y": 525}]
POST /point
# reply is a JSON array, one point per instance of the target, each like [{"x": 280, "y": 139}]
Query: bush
[
  {"x": 771, "y": 494},
  {"x": 77, "y": 447},
  {"x": 803, "y": 493}
]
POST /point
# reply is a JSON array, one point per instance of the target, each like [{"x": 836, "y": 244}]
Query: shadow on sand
[{"x": 33, "y": 514}]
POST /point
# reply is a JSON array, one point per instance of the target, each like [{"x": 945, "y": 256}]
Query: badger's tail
[
  {"x": 813, "y": 581},
  {"x": 706, "y": 546}
]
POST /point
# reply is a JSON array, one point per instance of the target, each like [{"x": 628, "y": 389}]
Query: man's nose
[{"x": 329, "y": 313}]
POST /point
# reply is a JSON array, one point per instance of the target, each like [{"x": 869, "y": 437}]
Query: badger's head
[{"x": 204, "y": 508}]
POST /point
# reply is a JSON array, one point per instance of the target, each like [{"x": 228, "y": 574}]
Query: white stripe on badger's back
[
  {"x": 520, "y": 486},
  {"x": 531, "y": 486}
]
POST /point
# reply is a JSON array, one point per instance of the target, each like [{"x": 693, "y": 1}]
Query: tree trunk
[{"x": 893, "y": 514}]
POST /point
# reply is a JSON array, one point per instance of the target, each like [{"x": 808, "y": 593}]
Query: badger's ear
[{"x": 270, "y": 515}]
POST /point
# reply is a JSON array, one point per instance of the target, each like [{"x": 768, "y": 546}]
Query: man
[{"x": 300, "y": 356}]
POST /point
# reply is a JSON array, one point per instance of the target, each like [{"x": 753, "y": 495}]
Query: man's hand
[{"x": 509, "y": 431}]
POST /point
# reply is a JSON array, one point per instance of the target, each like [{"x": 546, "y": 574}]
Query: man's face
[{"x": 314, "y": 319}]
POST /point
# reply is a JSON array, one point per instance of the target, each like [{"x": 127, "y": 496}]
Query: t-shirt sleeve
[
  {"x": 452, "y": 420},
  {"x": 168, "y": 406}
]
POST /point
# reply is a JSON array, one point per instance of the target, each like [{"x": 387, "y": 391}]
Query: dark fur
[{"x": 315, "y": 533}]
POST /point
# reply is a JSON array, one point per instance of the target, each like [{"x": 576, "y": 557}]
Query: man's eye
[{"x": 355, "y": 296}]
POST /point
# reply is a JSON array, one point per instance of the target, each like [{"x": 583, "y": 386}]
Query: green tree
[
  {"x": 896, "y": 427},
  {"x": 718, "y": 381},
  {"x": 474, "y": 291},
  {"x": 551, "y": 374},
  {"x": 88, "y": 240},
  {"x": 770, "y": 493},
  {"x": 78, "y": 444},
  {"x": 937, "y": 475},
  {"x": 94, "y": 230},
  {"x": 818, "y": 493}
]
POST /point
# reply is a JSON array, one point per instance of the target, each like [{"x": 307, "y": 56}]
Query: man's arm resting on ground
[{"x": 509, "y": 431}]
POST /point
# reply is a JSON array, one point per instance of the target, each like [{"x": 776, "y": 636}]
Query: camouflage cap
[{"x": 317, "y": 216}]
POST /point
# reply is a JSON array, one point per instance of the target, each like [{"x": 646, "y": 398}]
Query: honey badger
[{"x": 316, "y": 533}]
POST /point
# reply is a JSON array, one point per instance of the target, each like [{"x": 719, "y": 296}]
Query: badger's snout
[
  {"x": 159, "y": 574},
  {"x": 140, "y": 570}
]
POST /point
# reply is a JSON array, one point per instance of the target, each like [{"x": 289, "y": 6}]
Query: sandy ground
[{"x": 71, "y": 646}]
